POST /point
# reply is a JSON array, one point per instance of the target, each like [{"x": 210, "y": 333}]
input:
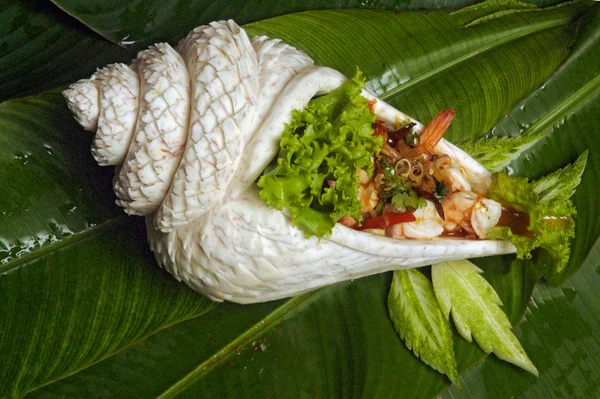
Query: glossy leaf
[
  {"x": 338, "y": 333},
  {"x": 140, "y": 23},
  {"x": 341, "y": 335},
  {"x": 561, "y": 324},
  {"x": 41, "y": 49},
  {"x": 402, "y": 53},
  {"x": 566, "y": 110},
  {"x": 495, "y": 153},
  {"x": 75, "y": 271},
  {"x": 49, "y": 182},
  {"x": 328, "y": 333}
]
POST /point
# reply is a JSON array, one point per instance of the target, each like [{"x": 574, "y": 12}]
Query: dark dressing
[{"x": 517, "y": 221}]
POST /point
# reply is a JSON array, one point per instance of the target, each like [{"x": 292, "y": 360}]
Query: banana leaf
[
  {"x": 86, "y": 312},
  {"x": 37, "y": 41},
  {"x": 138, "y": 24}
]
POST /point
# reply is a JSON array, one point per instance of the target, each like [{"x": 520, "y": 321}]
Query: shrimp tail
[{"x": 434, "y": 131}]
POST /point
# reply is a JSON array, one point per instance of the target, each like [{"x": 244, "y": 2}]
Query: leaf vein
[{"x": 451, "y": 64}]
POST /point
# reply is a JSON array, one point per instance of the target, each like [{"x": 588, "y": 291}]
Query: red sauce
[
  {"x": 386, "y": 220},
  {"x": 517, "y": 221},
  {"x": 379, "y": 130}
]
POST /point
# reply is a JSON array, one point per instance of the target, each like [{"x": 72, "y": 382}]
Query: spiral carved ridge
[
  {"x": 161, "y": 131},
  {"x": 191, "y": 130}
]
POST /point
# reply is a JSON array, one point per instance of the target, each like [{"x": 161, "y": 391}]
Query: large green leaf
[
  {"x": 566, "y": 110},
  {"x": 77, "y": 281},
  {"x": 560, "y": 327},
  {"x": 473, "y": 67},
  {"x": 139, "y": 23},
  {"x": 94, "y": 289},
  {"x": 40, "y": 49}
]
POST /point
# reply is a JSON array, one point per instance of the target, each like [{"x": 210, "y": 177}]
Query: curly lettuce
[
  {"x": 551, "y": 212},
  {"x": 314, "y": 175}
]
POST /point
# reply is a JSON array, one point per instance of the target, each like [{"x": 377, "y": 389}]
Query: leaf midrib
[
  {"x": 457, "y": 61},
  {"x": 63, "y": 243},
  {"x": 431, "y": 328},
  {"x": 220, "y": 356},
  {"x": 578, "y": 97},
  {"x": 495, "y": 324},
  {"x": 109, "y": 355}
]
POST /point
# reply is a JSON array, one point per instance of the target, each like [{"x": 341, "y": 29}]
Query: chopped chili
[{"x": 397, "y": 135}]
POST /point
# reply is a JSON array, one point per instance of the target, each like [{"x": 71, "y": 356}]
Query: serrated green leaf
[
  {"x": 418, "y": 320},
  {"x": 497, "y": 152},
  {"x": 552, "y": 222},
  {"x": 561, "y": 331},
  {"x": 475, "y": 308},
  {"x": 560, "y": 185}
]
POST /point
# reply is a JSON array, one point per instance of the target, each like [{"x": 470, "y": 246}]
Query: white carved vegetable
[{"x": 198, "y": 145}]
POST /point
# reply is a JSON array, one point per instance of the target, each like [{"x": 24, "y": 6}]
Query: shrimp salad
[
  {"x": 338, "y": 163},
  {"x": 417, "y": 194},
  {"x": 349, "y": 158}
]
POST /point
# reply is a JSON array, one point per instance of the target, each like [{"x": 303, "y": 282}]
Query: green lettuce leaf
[
  {"x": 475, "y": 308},
  {"x": 418, "y": 319},
  {"x": 551, "y": 212},
  {"x": 314, "y": 174}
]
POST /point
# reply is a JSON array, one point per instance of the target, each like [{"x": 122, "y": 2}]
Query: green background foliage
[{"x": 86, "y": 312}]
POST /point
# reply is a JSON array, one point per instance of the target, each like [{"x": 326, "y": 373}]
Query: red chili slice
[
  {"x": 398, "y": 135},
  {"x": 387, "y": 219}
]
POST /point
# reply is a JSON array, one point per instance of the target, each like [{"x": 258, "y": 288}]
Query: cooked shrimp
[
  {"x": 467, "y": 210},
  {"x": 427, "y": 226},
  {"x": 448, "y": 170},
  {"x": 457, "y": 210},
  {"x": 486, "y": 214},
  {"x": 348, "y": 221}
]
